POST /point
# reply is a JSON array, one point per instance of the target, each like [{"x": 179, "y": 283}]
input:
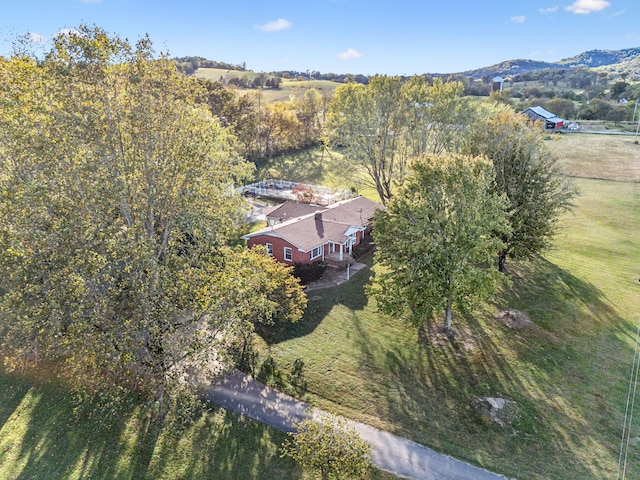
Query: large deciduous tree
[
  {"x": 263, "y": 129},
  {"x": 435, "y": 242},
  {"x": 526, "y": 173},
  {"x": 438, "y": 117},
  {"x": 116, "y": 201},
  {"x": 237, "y": 111},
  {"x": 369, "y": 120},
  {"x": 388, "y": 122}
]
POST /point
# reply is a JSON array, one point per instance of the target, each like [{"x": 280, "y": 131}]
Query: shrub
[
  {"x": 309, "y": 272},
  {"x": 328, "y": 446}
]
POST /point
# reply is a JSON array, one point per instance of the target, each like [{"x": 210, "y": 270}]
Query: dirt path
[{"x": 402, "y": 457}]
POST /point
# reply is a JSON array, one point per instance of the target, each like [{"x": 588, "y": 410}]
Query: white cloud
[
  {"x": 275, "y": 26},
  {"x": 553, "y": 9},
  {"x": 35, "y": 38},
  {"x": 585, "y": 7},
  {"x": 349, "y": 54},
  {"x": 518, "y": 19}
]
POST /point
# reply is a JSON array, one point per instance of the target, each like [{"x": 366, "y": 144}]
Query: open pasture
[
  {"x": 602, "y": 156},
  {"x": 288, "y": 87}
]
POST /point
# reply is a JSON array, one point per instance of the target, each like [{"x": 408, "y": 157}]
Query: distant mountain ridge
[
  {"x": 621, "y": 61},
  {"x": 599, "y": 58},
  {"x": 625, "y": 62}
]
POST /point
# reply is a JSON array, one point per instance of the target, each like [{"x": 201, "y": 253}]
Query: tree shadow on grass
[
  {"x": 550, "y": 295},
  {"x": 351, "y": 294},
  {"x": 429, "y": 387},
  {"x": 237, "y": 448},
  {"x": 56, "y": 441},
  {"x": 44, "y": 438},
  {"x": 13, "y": 391}
]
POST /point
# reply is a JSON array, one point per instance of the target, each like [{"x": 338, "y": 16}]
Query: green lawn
[{"x": 569, "y": 374}]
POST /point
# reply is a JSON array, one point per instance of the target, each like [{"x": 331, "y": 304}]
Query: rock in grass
[{"x": 497, "y": 410}]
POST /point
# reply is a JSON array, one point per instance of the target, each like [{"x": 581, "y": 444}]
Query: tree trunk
[
  {"x": 381, "y": 193},
  {"x": 447, "y": 315},
  {"x": 502, "y": 260}
]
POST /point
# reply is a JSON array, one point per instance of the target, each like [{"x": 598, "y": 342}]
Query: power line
[{"x": 628, "y": 412}]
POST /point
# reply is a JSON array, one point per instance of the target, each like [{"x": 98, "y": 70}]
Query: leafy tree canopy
[
  {"x": 526, "y": 173},
  {"x": 116, "y": 201},
  {"x": 435, "y": 242},
  {"x": 388, "y": 122}
]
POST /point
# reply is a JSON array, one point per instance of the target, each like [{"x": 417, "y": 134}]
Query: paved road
[{"x": 397, "y": 455}]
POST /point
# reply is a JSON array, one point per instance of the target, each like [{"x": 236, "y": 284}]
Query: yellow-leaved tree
[{"x": 116, "y": 203}]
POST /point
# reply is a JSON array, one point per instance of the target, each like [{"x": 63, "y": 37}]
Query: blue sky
[{"x": 400, "y": 37}]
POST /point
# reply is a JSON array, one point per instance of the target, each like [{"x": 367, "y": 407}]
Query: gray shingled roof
[
  {"x": 328, "y": 224},
  {"x": 289, "y": 210}
]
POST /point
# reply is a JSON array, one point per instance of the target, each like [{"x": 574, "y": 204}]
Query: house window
[
  {"x": 269, "y": 249},
  {"x": 288, "y": 254},
  {"x": 316, "y": 252}
]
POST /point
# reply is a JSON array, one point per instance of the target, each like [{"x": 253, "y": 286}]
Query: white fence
[{"x": 300, "y": 192}]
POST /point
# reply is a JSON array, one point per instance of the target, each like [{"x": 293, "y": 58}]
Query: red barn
[{"x": 551, "y": 121}]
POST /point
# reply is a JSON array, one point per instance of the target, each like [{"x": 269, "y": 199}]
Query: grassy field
[
  {"x": 612, "y": 157},
  {"x": 320, "y": 166},
  {"x": 216, "y": 74},
  {"x": 569, "y": 373},
  {"x": 287, "y": 88},
  {"x": 295, "y": 87}
]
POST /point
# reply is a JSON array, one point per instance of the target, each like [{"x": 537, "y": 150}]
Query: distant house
[
  {"x": 326, "y": 233},
  {"x": 551, "y": 121}
]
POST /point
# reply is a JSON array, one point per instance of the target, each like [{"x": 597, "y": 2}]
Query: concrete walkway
[
  {"x": 242, "y": 394},
  {"x": 338, "y": 278}
]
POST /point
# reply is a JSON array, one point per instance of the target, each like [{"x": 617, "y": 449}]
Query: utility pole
[{"x": 635, "y": 140}]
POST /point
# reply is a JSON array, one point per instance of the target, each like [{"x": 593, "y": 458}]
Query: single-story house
[
  {"x": 327, "y": 233},
  {"x": 551, "y": 121}
]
